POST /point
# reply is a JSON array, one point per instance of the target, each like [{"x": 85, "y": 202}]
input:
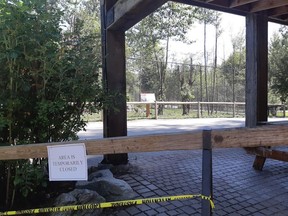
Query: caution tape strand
[{"x": 108, "y": 204}]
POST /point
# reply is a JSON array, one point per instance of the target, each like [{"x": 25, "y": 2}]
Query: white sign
[
  {"x": 67, "y": 162},
  {"x": 147, "y": 97}
]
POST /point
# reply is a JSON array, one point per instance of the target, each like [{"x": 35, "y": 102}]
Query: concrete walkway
[
  {"x": 238, "y": 188},
  {"x": 151, "y": 126}
]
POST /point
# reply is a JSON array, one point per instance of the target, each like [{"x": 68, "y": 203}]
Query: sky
[{"x": 232, "y": 25}]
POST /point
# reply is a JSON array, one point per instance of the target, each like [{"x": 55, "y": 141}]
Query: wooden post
[
  {"x": 234, "y": 109},
  {"x": 256, "y": 69},
  {"x": 156, "y": 110},
  {"x": 198, "y": 111},
  {"x": 256, "y": 73},
  {"x": 147, "y": 110},
  {"x": 114, "y": 81},
  {"x": 207, "y": 182}
]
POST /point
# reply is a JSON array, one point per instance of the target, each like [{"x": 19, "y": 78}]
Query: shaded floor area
[{"x": 238, "y": 188}]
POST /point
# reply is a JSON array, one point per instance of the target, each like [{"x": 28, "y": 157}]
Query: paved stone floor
[{"x": 238, "y": 188}]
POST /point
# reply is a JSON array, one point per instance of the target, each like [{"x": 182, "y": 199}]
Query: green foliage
[
  {"x": 171, "y": 21},
  {"x": 278, "y": 65},
  {"x": 48, "y": 77},
  {"x": 234, "y": 68},
  {"x": 29, "y": 176}
]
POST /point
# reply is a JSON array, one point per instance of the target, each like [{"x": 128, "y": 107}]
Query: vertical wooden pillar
[
  {"x": 207, "y": 175},
  {"x": 256, "y": 74},
  {"x": 114, "y": 81},
  {"x": 256, "y": 69}
]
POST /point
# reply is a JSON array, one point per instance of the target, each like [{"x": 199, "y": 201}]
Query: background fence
[{"x": 196, "y": 109}]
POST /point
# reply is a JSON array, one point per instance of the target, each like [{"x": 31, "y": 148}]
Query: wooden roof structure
[
  {"x": 126, "y": 13},
  {"x": 275, "y": 10},
  {"x": 117, "y": 16}
]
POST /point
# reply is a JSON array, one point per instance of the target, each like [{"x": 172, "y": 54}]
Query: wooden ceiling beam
[
  {"x": 278, "y": 11},
  {"x": 267, "y": 4},
  {"x": 126, "y": 13},
  {"x": 237, "y": 3}
]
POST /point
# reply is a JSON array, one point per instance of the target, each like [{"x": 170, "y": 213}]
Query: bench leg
[{"x": 259, "y": 163}]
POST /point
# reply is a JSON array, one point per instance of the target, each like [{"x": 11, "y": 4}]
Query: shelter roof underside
[
  {"x": 123, "y": 14},
  {"x": 275, "y": 10}
]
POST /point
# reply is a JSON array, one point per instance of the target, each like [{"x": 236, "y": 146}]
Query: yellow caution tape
[{"x": 108, "y": 204}]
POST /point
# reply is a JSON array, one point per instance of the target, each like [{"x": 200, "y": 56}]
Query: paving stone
[
  {"x": 141, "y": 214},
  {"x": 133, "y": 210},
  {"x": 151, "y": 212},
  {"x": 238, "y": 189}
]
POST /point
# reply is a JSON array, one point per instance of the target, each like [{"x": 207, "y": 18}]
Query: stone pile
[{"x": 100, "y": 187}]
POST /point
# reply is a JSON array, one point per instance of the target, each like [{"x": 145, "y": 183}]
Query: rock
[
  {"x": 103, "y": 182},
  {"x": 106, "y": 173},
  {"x": 78, "y": 197},
  {"x": 113, "y": 189},
  {"x": 65, "y": 199}
]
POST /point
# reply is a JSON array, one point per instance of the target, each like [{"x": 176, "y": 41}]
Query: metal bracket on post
[{"x": 207, "y": 183}]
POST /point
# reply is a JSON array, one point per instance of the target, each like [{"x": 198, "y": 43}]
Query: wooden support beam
[
  {"x": 259, "y": 162},
  {"x": 256, "y": 69},
  {"x": 114, "y": 81},
  {"x": 268, "y": 153},
  {"x": 237, "y": 3},
  {"x": 256, "y": 74},
  {"x": 116, "y": 145},
  {"x": 126, "y": 13},
  {"x": 272, "y": 135},
  {"x": 278, "y": 11},
  {"x": 267, "y": 4},
  {"x": 115, "y": 119},
  {"x": 207, "y": 173}
]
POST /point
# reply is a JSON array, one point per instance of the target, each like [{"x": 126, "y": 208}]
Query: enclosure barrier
[
  {"x": 272, "y": 108},
  {"x": 271, "y": 135}
]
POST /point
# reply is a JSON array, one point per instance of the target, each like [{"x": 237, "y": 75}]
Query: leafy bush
[{"x": 47, "y": 80}]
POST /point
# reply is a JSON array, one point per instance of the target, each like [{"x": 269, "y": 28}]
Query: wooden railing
[
  {"x": 198, "y": 104},
  {"x": 272, "y": 108},
  {"x": 275, "y": 135},
  {"x": 272, "y": 135}
]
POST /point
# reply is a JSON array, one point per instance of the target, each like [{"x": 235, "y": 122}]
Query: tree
[
  {"x": 233, "y": 69},
  {"x": 278, "y": 64},
  {"x": 171, "y": 21},
  {"x": 47, "y": 81},
  {"x": 186, "y": 79},
  {"x": 218, "y": 32},
  {"x": 209, "y": 17}
]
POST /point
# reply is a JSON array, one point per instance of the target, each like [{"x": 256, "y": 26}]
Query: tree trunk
[
  {"x": 201, "y": 90},
  {"x": 215, "y": 68},
  {"x": 205, "y": 65}
]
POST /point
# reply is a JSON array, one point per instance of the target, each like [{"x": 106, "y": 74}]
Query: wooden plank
[
  {"x": 237, "y": 3},
  {"x": 128, "y": 12},
  {"x": 278, "y": 11},
  {"x": 267, "y": 4},
  {"x": 273, "y": 135},
  {"x": 151, "y": 143}
]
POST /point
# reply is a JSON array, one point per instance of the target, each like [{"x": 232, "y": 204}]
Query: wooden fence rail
[
  {"x": 271, "y": 107},
  {"x": 271, "y": 135}
]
